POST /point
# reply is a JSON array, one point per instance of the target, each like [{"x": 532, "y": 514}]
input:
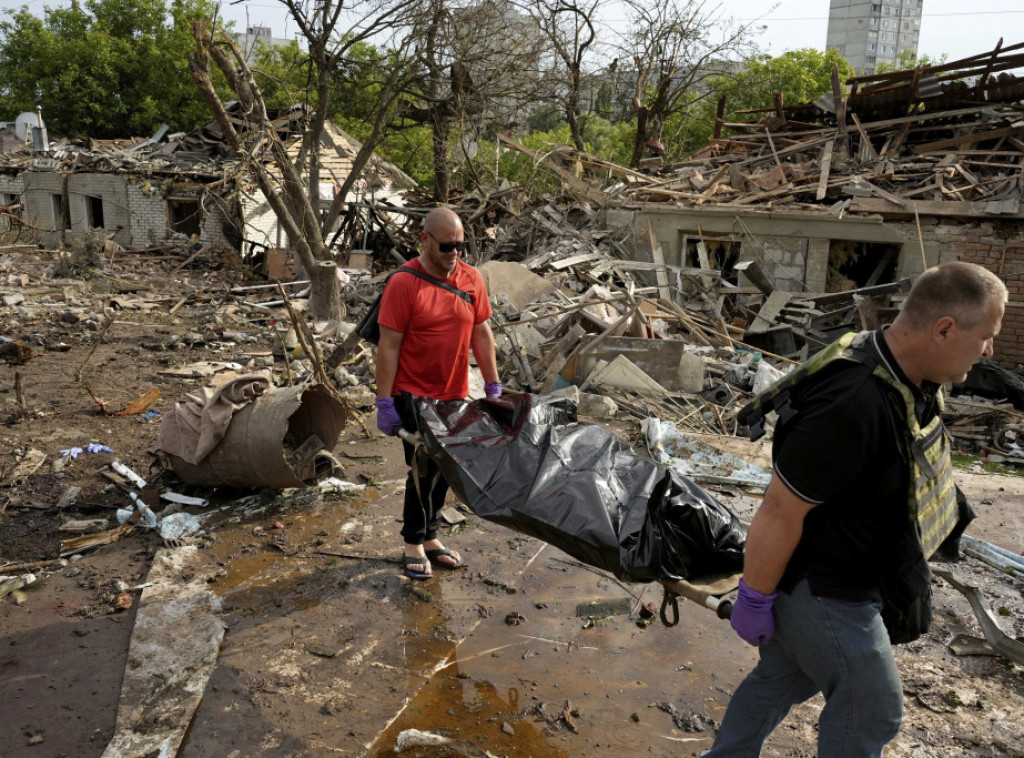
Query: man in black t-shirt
[{"x": 822, "y": 540}]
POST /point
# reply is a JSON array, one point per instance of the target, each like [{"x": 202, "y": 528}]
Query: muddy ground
[{"x": 328, "y": 649}]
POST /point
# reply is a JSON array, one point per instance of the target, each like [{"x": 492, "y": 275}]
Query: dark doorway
[{"x": 94, "y": 212}]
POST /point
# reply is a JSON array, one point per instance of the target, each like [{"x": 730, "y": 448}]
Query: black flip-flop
[
  {"x": 433, "y": 555},
  {"x": 415, "y": 560}
]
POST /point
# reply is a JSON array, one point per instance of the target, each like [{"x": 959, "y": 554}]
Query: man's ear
[{"x": 942, "y": 328}]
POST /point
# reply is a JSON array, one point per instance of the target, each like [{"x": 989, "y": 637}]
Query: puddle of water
[
  {"x": 554, "y": 685},
  {"x": 256, "y": 553},
  {"x": 548, "y": 687}
]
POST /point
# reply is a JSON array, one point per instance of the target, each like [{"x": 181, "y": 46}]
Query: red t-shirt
[{"x": 437, "y": 325}]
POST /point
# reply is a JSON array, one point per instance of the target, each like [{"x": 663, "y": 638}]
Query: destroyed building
[
  {"x": 185, "y": 188},
  {"x": 910, "y": 170},
  {"x": 790, "y": 207}
]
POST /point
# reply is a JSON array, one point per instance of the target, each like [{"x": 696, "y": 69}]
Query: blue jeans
[{"x": 837, "y": 647}]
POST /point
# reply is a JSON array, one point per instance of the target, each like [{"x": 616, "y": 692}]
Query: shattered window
[
  {"x": 853, "y": 264},
  {"x": 184, "y": 215},
  {"x": 721, "y": 255}
]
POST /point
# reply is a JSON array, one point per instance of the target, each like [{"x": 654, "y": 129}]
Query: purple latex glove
[
  {"x": 492, "y": 389},
  {"x": 752, "y": 615},
  {"x": 388, "y": 420}
]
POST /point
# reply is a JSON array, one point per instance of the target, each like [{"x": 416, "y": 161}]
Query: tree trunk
[
  {"x": 442, "y": 167},
  {"x": 294, "y": 208},
  {"x": 571, "y": 103},
  {"x": 325, "y": 302},
  {"x": 640, "y": 137}
]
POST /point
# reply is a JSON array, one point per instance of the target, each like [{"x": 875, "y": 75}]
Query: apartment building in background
[
  {"x": 256, "y": 37},
  {"x": 869, "y": 32}
]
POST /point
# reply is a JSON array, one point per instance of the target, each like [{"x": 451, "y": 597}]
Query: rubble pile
[
  {"x": 582, "y": 304},
  {"x": 939, "y": 133}
]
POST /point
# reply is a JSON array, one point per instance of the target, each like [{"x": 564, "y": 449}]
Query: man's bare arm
[
  {"x": 388, "y": 349},
  {"x": 482, "y": 342},
  {"x": 773, "y": 536}
]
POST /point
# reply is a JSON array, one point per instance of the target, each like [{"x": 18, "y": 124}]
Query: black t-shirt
[{"x": 845, "y": 450}]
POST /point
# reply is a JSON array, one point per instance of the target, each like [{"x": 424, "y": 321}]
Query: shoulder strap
[
  {"x": 433, "y": 280},
  {"x": 777, "y": 396}
]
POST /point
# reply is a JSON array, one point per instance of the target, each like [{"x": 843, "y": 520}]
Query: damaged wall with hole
[
  {"x": 58, "y": 207},
  {"x": 175, "y": 211},
  {"x": 814, "y": 253}
]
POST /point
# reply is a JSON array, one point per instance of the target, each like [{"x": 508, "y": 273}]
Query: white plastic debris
[
  {"x": 411, "y": 738},
  {"x": 126, "y": 472},
  {"x": 146, "y": 515},
  {"x": 12, "y": 585},
  {"x": 332, "y": 484},
  {"x": 765, "y": 377},
  {"x": 174, "y": 497},
  {"x": 179, "y": 525},
  {"x": 699, "y": 461}
]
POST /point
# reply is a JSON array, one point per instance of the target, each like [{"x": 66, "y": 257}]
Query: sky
[
  {"x": 956, "y": 28},
  {"x": 953, "y": 27}
]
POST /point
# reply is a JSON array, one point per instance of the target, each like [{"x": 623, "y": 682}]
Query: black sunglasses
[{"x": 447, "y": 247}]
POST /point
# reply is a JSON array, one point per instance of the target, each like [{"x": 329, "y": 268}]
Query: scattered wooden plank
[
  {"x": 970, "y": 139},
  {"x": 826, "y": 165}
]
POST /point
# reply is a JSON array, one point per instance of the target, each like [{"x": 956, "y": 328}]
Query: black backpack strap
[{"x": 433, "y": 280}]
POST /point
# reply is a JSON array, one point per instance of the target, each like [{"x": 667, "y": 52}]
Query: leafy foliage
[
  {"x": 105, "y": 68},
  {"x": 908, "y": 59},
  {"x": 800, "y": 75},
  {"x": 84, "y": 258}
]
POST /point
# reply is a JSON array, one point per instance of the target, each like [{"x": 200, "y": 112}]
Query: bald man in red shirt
[{"x": 426, "y": 333}]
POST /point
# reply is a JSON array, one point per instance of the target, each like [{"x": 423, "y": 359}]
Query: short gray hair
[{"x": 957, "y": 289}]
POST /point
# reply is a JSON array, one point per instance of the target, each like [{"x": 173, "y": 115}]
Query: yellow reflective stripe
[
  {"x": 932, "y": 498},
  {"x": 937, "y": 513}
]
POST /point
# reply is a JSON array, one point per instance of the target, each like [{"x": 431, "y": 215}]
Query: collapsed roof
[
  {"x": 947, "y": 138},
  {"x": 203, "y": 154}
]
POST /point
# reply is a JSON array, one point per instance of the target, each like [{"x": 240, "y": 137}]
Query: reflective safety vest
[{"x": 932, "y": 495}]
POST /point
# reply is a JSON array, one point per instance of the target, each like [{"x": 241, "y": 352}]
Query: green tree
[
  {"x": 802, "y": 76},
  {"x": 282, "y": 74},
  {"x": 103, "y": 68},
  {"x": 908, "y": 59}
]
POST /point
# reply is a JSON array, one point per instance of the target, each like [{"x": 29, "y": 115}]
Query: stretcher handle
[
  {"x": 413, "y": 438},
  {"x": 677, "y": 588}
]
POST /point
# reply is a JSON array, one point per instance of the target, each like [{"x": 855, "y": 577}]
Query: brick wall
[
  {"x": 999, "y": 247},
  {"x": 110, "y": 191},
  {"x": 788, "y": 261},
  {"x": 261, "y": 223},
  {"x": 996, "y": 245},
  {"x": 38, "y": 211},
  {"x": 216, "y": 216},
  {"x": 150, "y": 216}
]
